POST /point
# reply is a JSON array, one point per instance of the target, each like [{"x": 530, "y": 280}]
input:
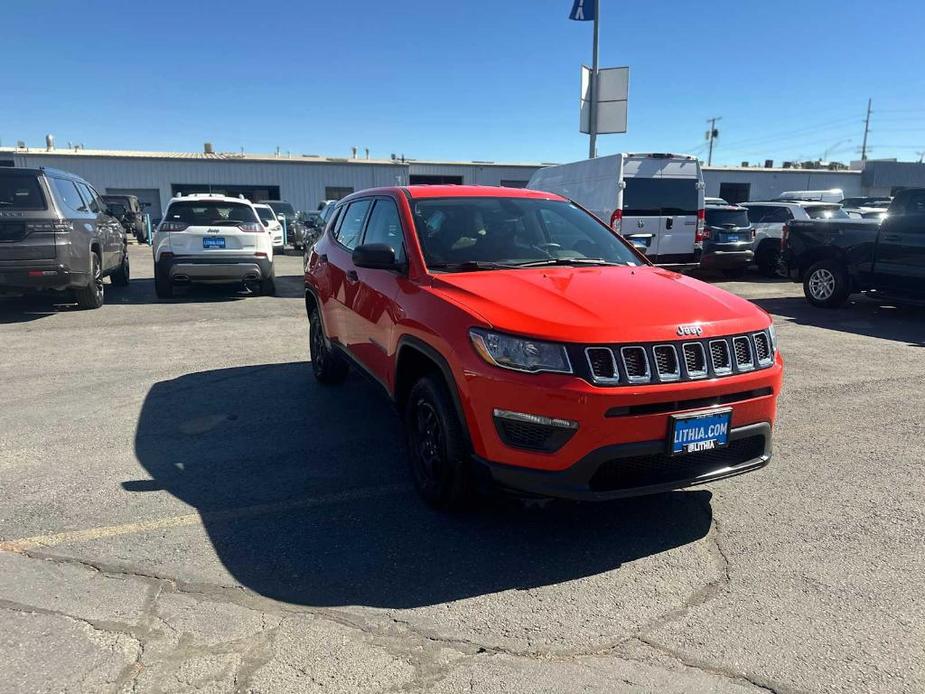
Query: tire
[
  {"x": 92, "y": 296},
  {"x": 768, "y": 261},
  {"x": 122, "y": 276},
  {"x": 437, "y": 449},
  {"x": 329, "y": 367},
  {"x": 163, "y": 287},
  {"x": 826, "y": 284},
  {"x": 268, "y": 286},
  {"x": 734, "y": 273}
]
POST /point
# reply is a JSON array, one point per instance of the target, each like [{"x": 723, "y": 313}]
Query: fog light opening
[{"x": 536, "y": 419}]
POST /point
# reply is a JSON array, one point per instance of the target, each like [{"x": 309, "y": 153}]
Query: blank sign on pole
[{"x": 612, "y": 93}]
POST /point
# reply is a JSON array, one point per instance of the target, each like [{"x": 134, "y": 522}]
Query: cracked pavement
[{"x": 185, "y": 510}]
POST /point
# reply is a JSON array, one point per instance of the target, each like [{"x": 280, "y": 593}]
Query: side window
[
  {"x": 778, "y": 214},
  {"x": 351, "y": 226},
  {"x": 67, "y": 194},
  {"x": 916, "y": 204},
  {"x": 757, "y": 214},
  {"x": 333, "y": 218},
  {"x": 89, "y": 197},
  {"x": 385, "y": 227}
]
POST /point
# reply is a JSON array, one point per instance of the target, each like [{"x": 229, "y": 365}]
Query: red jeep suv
[{"x": 530, "y": 346}]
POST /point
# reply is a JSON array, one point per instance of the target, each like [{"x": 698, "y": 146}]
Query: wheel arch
[{"x": 415, "y": 359}]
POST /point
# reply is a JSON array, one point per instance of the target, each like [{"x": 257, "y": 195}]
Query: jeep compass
[{"x": 529, "y": 346}]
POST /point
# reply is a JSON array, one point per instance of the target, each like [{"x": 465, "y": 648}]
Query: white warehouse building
[{"x": 306, "y": 180}]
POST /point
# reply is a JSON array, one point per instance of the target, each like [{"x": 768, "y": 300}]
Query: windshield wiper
[
  {"x": 470, "y": 265},
  {"x": 567, "y": 261}
]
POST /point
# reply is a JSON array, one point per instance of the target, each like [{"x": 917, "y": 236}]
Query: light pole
[{"x": 592, "y": 88}]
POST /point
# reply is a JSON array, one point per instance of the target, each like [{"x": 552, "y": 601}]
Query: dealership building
[{"x": 306, "y": 180}]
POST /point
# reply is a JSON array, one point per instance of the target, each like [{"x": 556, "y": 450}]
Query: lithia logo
[{"x": 690, "y": 330}]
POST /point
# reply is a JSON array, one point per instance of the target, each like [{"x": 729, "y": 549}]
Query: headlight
[
  {"x": 520, "y": 354},
  {"x": 773, "y": 335}
]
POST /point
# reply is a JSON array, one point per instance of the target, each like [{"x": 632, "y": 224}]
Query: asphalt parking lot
[{"x": 184, "y": 509}]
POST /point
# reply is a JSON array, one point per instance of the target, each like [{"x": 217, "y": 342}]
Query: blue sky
[{"x": 475, "y": 79}]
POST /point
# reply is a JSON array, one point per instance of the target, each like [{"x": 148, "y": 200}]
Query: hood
[{"x": 599, "y": 304}]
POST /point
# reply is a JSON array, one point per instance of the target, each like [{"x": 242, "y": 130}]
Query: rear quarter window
[
  {"x": 66, "y": 192},
  {"x": 18, "y": 192}
]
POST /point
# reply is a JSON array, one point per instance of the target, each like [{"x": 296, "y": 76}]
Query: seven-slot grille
[{"x": 680, "y": 361}]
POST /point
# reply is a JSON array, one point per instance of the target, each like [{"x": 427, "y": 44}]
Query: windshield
[
  {"x": 513, "y": 231},
  {"x": 283, "y": 208},
  {"x": 18, "y": 192},
  {"x": 826, "y": 212},
  {"x": 722, "y": 218},
  {"x": 265, "y": 214},
  {"x": 205, "y": 213},
  {"x": 660, "y": 196}
]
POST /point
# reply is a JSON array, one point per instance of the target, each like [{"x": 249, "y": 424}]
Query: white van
[
  {"x": 830, "y": 195},
  {"x": 654, "y": 200}
]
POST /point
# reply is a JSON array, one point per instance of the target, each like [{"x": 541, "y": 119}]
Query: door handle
[
  {"x": 353, "y": 276},
  {"x": 669, "y": 222}
]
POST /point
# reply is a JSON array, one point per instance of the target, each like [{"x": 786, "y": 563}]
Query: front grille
[
  {"x": 12, "y": 231},
  {"x": 762, "y": 347},
  {"x": 719, "y": 353},
  {"x": 603, "y": 366},
  {"x": 645, "y": 470},
  {"x": 743, "y": 350},
  {"x": 695, "y": 360},
  {"x": 636, "y": 364},
  {"x": 666, "y": 362}
]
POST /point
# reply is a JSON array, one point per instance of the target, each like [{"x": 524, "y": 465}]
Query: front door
[
  {"x": 373, "y": 308},
  {"x": 900, "y": 263}
]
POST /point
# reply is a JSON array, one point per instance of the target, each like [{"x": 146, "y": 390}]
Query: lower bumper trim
[{"x": 635, "y": 469}]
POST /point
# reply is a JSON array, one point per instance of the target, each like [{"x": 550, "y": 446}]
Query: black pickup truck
[{"x": 836, "y": 258}]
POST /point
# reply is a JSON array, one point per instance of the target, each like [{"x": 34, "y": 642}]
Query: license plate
[
  {"x": 213, "y": 242},
  {"x": 732, "y": 238},
  {"x": 701, "y": 431}
]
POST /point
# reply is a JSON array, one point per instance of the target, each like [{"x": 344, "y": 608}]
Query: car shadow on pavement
[
  {"x": 861, "y": 316},
  {"x": 141, "y": 291},
  {"x": 304, "y": 494}
]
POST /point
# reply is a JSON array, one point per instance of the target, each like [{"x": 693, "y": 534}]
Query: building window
[
  {"x": 417, "y": 180},
  {"x": 734, "y": 192},
  {"x": 513, "y": 183},
  {"x": 336, "y": 192}
]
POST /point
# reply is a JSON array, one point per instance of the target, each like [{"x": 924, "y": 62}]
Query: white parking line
[{"x": 26, "y": 543}]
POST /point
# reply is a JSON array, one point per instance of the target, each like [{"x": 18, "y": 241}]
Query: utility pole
[
  {"x": 712, "y": 133},
  {"x": 592, "y": 88},
  {"x": 866, "y": 129}
]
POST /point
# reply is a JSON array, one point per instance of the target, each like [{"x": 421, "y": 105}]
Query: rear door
[
  {"x": 662, "y": 212},
  {"x": 343, "y": 276},
  {"x": 900, "y": 262},
  {"x": 102, "y": 225},
  {"x": 212, "y": 228}
]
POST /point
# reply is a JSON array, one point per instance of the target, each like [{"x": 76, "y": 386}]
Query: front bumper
[
  {"x": 636, "y": 469},
  {"x": 224, "y": 268}
]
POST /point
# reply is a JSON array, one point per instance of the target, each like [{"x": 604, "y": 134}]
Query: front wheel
[
  {"x": 327, "y": 365},
  {"x": 826, "y": 284},
  {"x": 91, "y": 296},
  {"x": 437, "y": 446}
]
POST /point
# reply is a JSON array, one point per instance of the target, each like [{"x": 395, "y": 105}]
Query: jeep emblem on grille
[{"x": 690, "y": 330}]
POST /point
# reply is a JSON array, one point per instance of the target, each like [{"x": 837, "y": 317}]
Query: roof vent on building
[
  {"x": 769, "y": 163},
  {"x": 49, "y": 142},
  {"x": 744, "y": 164},
  {"x": 207, "y": 148},
  {"x": 354, "y": 150},
  {"x": 20, "y": 144}
]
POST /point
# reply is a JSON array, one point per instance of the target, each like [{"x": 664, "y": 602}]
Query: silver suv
[{"x": 57, "y": 234}]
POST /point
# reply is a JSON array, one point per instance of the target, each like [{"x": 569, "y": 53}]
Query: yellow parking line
[{"x": 187, "y": 519}]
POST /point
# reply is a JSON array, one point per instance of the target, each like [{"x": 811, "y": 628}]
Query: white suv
[
  {"x": 212, "y": 238},
  {"x": 769, "y": 218},
  {"x": 268, "y": 217}
]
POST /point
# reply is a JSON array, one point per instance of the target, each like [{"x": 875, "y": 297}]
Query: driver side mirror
[{"x": 375, "y": 256}]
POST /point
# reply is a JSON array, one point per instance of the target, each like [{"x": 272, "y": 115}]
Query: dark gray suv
[{"x": 57, "y": 234}]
